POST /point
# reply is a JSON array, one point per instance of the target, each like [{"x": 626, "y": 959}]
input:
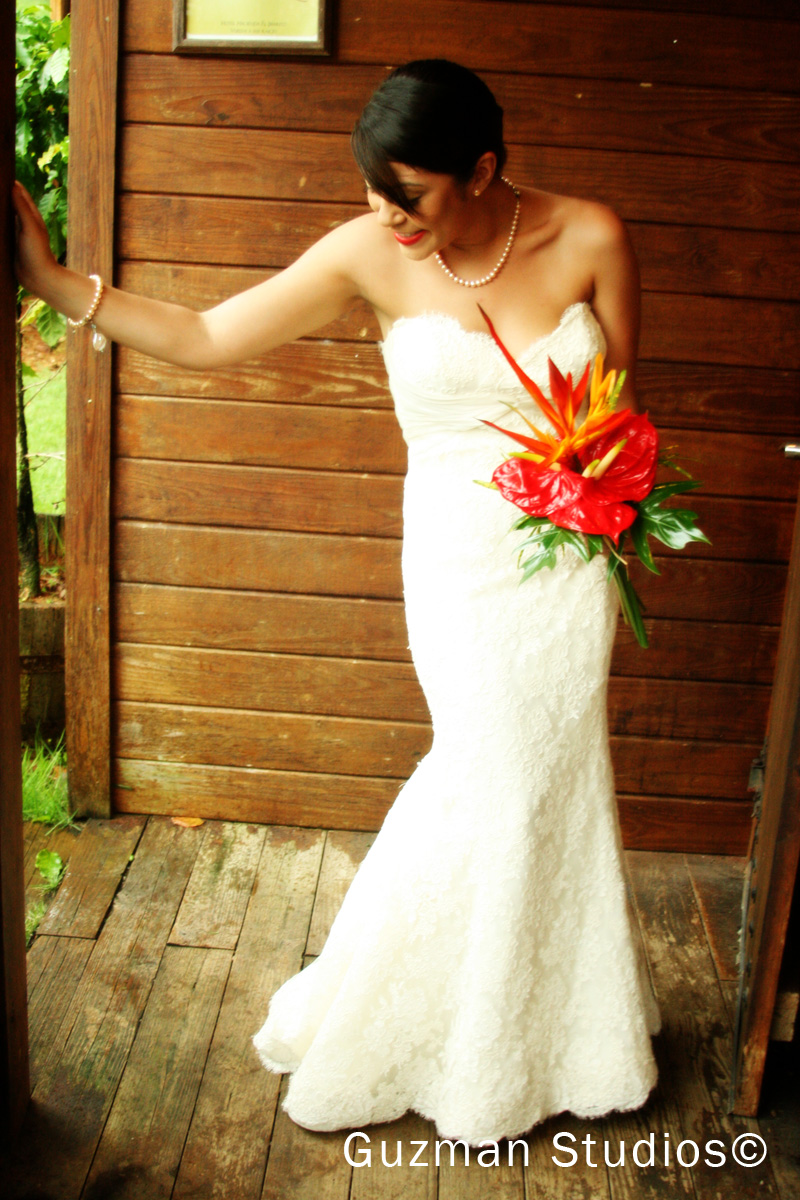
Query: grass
[
  {"x": 44, "y": 784},
  {"x": 33, "y": 918},
  {"x": 46, "y": 414},
  {"x": 44, "y": 799}
]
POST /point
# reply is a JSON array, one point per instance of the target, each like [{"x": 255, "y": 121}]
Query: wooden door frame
[
  {"x": 772, "y": 871},
  {"x": 93, "y": 134},
  {"x": 14, "y": 1073}
]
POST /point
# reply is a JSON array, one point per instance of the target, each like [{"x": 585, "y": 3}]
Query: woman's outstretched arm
[{"x": 312, "y": 291}]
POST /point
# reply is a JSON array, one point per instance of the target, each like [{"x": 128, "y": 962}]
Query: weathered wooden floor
[{"x": 155, "y": 963}]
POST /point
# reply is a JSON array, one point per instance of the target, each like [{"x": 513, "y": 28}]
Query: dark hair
[{"x": 430, "y": 114}]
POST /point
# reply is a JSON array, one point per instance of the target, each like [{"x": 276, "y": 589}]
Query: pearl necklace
[{"x": 475, "y": 283}]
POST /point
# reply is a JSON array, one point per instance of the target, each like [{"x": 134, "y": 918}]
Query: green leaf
[
  {"x": 630, "y": 604},
  {"x": 529, "y": 522},
  {"x": 665, "y": 490},
  {"x": 531, "y": 565},
  {"x": 614, "y": 397},
  {"x": 51, "y": 325},
  {"x": 61, "y": 33},
  {"x": 50, "y": 866},
  {"x": 32, "y": 313},
  {"x": 675, "y": 527},
  {"x": 56, "y": 66},
  {"x": 638, "y": 532}
]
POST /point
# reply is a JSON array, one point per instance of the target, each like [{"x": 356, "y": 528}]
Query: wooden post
[
  {"x": 93, "y": 111},
  {"x": 14, "y": 1078}
]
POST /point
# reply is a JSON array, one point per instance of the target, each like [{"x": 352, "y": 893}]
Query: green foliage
[
  {"x": 674, "y": 527},
  {"x": 50, "y": 866},
  {"x": 46, "y": 417},
  {"x": 42, "y": 141},
  {"x": 33, "y": 917},
  {"x": 44, "y": 784}
]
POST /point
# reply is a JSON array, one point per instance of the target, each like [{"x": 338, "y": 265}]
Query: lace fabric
[{"x": 482, "y": 969}]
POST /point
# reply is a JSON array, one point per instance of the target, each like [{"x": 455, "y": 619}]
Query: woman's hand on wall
[{"x": 35, "y": 263}]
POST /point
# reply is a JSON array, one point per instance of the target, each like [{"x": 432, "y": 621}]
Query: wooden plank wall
[{"x": 260, "y": 668}]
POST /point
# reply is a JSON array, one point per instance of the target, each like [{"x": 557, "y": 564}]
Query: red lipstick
[{"x": 411, "y": 240}]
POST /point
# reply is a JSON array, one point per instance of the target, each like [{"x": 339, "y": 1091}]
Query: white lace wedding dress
[{"x": 482, "y": 970}]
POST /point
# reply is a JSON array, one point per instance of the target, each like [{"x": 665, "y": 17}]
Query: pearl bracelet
[
  {"x": 99, "y": 288},
  {"x": 98, "y": 340}
]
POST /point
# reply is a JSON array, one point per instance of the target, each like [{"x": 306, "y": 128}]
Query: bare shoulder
[
  {"x": 594, "y": 227},
  {"x": 353, "y": 238},
  {"x": 354, "y": 250}
]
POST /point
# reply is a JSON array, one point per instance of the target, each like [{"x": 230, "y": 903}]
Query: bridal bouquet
[{"x": 591, "y": 485}]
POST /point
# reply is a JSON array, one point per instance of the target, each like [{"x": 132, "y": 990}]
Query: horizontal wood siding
[{"x": 260, "y": 664}]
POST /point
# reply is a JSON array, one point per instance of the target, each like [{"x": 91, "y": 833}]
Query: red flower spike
[
  {"x": 531, "y": 388},
  {"x": 528, "y": 442}
]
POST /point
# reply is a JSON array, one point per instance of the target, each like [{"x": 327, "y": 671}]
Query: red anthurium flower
[
  {"x": 589, "y": 503},
  {"x": 632, "y": 473},
  {"x": 568, "y": 499}
]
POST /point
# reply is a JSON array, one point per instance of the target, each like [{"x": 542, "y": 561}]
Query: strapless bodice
[{"x": 445, "y": 379}]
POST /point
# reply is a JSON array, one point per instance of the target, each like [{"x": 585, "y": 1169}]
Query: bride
[{"x": 482, "y": 970}]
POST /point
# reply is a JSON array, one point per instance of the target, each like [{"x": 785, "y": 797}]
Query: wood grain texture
[
  {"x": 14, "y": 1071},
  {"x": 304, "y": 1164},
  {"x": 314, "y": 437},
  {"x": 671, "y": 47},
  {"x": 290, "y": 624},
  {"x": 256, "y": 559},
  {"x": 98, "y": 861},
  {"x": 143, "y": 1139},
  {"x": 55, "y": 967},
  {"x": 376, "y": 629},
  {"x": 259, "y": 497},
  {"x": 776, "y": 853},
  {"x": 246, "y": 794},
  {"x": 265, "y": 740},
  {"x": 275, "y": 560},
  {"x": 693, "y": 259},
  {"x": 694, "y": 589},
  {"x": 200, "y": 287},
  {"x": 269, "y": 682},
  {"x": 364, "y": 688},
  {"x": 598, "y": 113},
  {"x": 291, "y": 742},
  {"x": 319, "y": 167},
  {"x": 669, "y": 823},
  {"x": 678, "y": 395},
  {"x": 702, "y": 826},
  {"x": 95, "y": 35},
  {"x": 229, "y": 1137},
  {"x": 78, "y": 1083},
  {"x": 717, "y": 885},
  {"x": 697, "y": 1037},
  {"x": 283, "y": 436},
  {"x": 216, "y": 898}
]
